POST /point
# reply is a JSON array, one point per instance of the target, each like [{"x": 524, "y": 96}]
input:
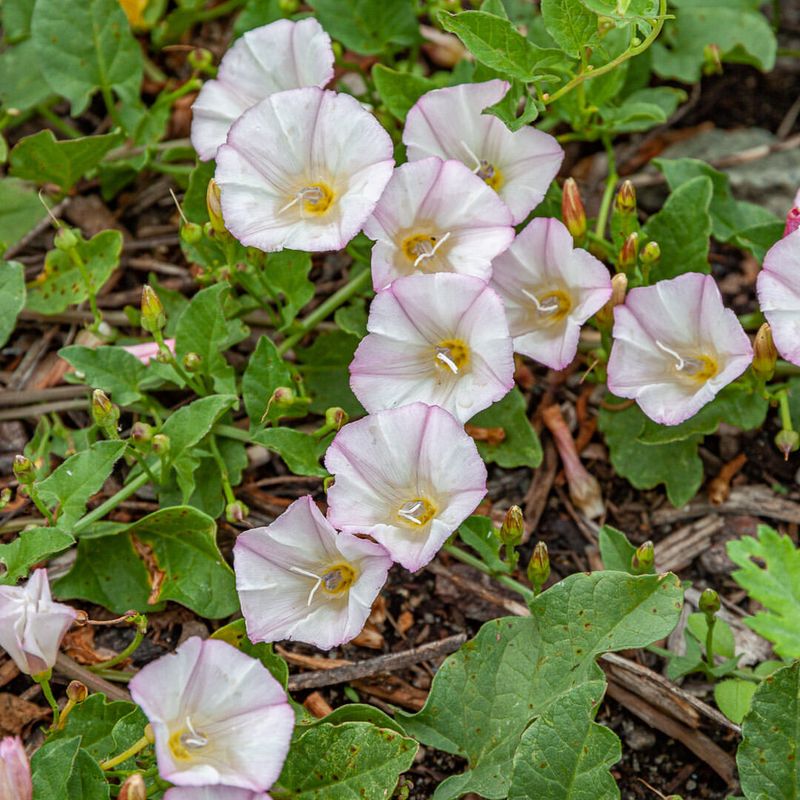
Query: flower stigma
[
  {"x": 314, "y": 199},
  {"x": 700, "y": 369},
  {"x": 451, "y": 354},
  {"x": 423, "y": 246},
  {"x": 485, "y": 170},
  {"x": 334, "y": 581},
  {"x": 418, "y": 511},
  {"x": 550, "y": 306},
  {"x": 186, "y": 740}
]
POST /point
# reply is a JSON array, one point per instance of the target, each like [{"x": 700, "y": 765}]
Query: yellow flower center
[
  {"x": 451, "y": 355},
  {"x": 316, "y": 199},
  {"x": 490, "y": 174},
  {"x": 184, "y": 742},
  {"x": 338, "y": 579},
  {"x": 420, "y": 248},
  {"x": 550, "y": 306},
  {"x": 698, "y": 368},
  {"x": 416, "y": 513}
]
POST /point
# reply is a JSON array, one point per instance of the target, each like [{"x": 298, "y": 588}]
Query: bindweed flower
[
  {"x": 212, "y": 793},
  {"x": 778, "y": 288},
  {"x": 302, "y": 169},
  {"x": 146, "y": 351},
  {"x": 549, "y": 290},
  {"x": 218, "y": 716},
  {"x": 15, "y": 771},
  {"x": 298, "y": 579},
  {"x": 408, "y": 476},
  {"x": 436, "y": 216},
  {"x": 32, "y": 625},
  {"x": 675, "y": 346},
  {"x": 450, "y": 123},
  {"x": 439, "y": 339},
  {"x": 275, "y": 57}
]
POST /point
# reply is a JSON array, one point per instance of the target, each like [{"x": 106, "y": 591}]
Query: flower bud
[
  {"x": 787, "y": 442},
  {"x": 133, "y": 789},
  {"x": 5, "y": 497},
  {"x": 643, "y": 560},
  {"x": 153, "y": 317},
  {"x": 200, "y": 59},
  {"x": 191, "y": 232},
  {"x": 335, "y": 418},
  {"x": 160, "y": 444},
  {"x": 192, "y": 362},
  {"x": 765, "y": 354},
  {"x": 629, "y": 254},
  {"x": 236, "y": 511},
  {"x": 709, "y": 602},
  {"x": 141, "y": 432},
  {"x": 513, "y": 526},
  {"x": 24, "y": 470},
  {"x": 288, "y": 7},
  {"x": 213, "y": 202},
  {"x": 65, "y": 239},
  {"x": 572, "y": 210},
  {"x": 104, "y": 412},
  {"x": 625, "y": 202},
  {"x": 619, "y": 286},
  {"x": 712, "y": 62},
  {"x": 650, "y": 254},
  {"x": 281, "y": 400},
  {"x": 15, "y": 770},
  {"x": 77, "y": 691},
  {"x": 539, "y": 565}
]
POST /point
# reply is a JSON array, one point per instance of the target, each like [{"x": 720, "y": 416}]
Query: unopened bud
[
  {"x": 643, "y": 560},
  {"x": 709, "y": 602},
  {"x": 192, "y": 362},
  {"x": 619, "y": 286},
  {"x": 5, "y": 497},
  {"x": 200, "y": 59},
  {"x": 513, "y": 526},
  {"x": 765, "y": 354},
  {"x": 149, "y": 733},
  {"x": 133, "y": 789},
  {"x": 792, "y": 221},
  {"x": 281, "y": 399},
  {"x": 214, "y": 204},
  {"x": 24, "y": 470},
  {"x": 153, "y": 316},
  {"x": 539, "y": 566},
  {"x": 572, "y": 210},
  {"x": 288, "y": 7},
  {"x": 236, "y": 511},
  {"x": 335, "y": 418},
  {"x": 104, "y": 412},
  {"x": 650, "y": 254},
  {"x": 77, "y": 691},
  {"x": 141, "y": 432},
  {"x": 65, "y": 239},
  {"x": 787, "y": 442},
  {"x": 712, "y": 61},
  {"x": 191, "y": 232},
  {"x": 160, "y": 444},
  {"x": 629, "y": 254},
  {"x": 625, "y": 202}
]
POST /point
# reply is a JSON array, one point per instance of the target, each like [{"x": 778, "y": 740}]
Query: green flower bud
[
  {"x": 5, "y": 497},
  {"x": 192, "y": 362},
  {"x": 335, "y": 418},
  {"x": 625, "y": 202},
  {"x": 104, "y": 412},
  {"x": 200, "y": 59},
  {"x": 141, "y": 432},
  {"x": 513, "y": 526},
  {"x": 153, "y": 316},
  {"x": 236, "y": 512},
  {"x": 787, "y": 442},
  {"x": 629, "y": 254},
  {"x": 643, "y": 560},
  {"x": 289, "y": 7},
  {"x": 24, "y": 470},
  {"x": 650, "y": 254},
  {"x": 160, "y": 444},
  {"x": 709, "y": 602},
  {"x": 214, "y": 205},
  {"x": 65, "y": 239},
  {"x": 191, "y": 233},
  {"x": 539, "y": 566},
  {"x": 281, "y": 400},
  {"x": 77, "y": 692},
  {"x": 765, "y": 354}
]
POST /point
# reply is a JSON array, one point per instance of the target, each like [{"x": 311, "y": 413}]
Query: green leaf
[
  {"x": 12, "y": 296},
  {"x": 86, "y": 45},
  {"x": 194, "y": 199},
  {"x": 112, "y": 369},
  {"x": 189, "y": 424},
  {"x": 564, "y": 754},
  {"x": 72, "y": 484},
  {"x": 181, "y": 542},
  {"x": 623, "y": 10},
  {"x": 615, "y": 549},
  {"x": 399, "y": 90},
  {"x": 682, "y": 228},
  {"x": 495, "y": 42},
  {"x": 286, "y": 273},
  {"x": 733, "y": 697},
  {"x": 20, "y": 210},
  {"x": 62, "y": 770},
  {"x": 43, "y": 159},
  {"x": 571, "y": 24},
  {"x": 257, "y": 13},
  {"x": 352, "y": 318},
  {"x": 677, "y": 464},
  {"x": 300, "y": 451},
  {"x": 62, "y": 284},
  {"x": 776, "y": 586},
  {"x": 360, "y": 712},
  {"x": 265, "y": 372},
  {"x": 521, "y": 446},
  {"x": 16, "y": 17},
  {"x": 506, "y": 108},
  {"x": 204, "y": 329},
  {"x": 31, "y": 547},
  {"x": 235, "y": 633},
  {"x": 369, "y": 26},
  {"x": 21, "y": 83},
  {"x": 340, "y": 762},
  {"x": 723, "y": 642},
  {"x": 739, "y": 30},
  {"x": 479, "y": 533},
  {"x": 769, "y": 767},
  {"x": 488, "y": 693},
  {"x": 757, "y": 239}
]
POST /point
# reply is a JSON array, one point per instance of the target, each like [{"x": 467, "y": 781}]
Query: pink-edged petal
[
  {"x": 213, "y": 793},
  {"x": 273, "y": 58},
  {"x": 778, "y": 289},
  {"x": 292, "y": 143},
  {"x": 15, "y": 771}
]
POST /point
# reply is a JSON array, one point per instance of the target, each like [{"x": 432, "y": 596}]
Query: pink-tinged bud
[
  {"x": 625, "y": 202},
  {"x": 214, "y": 205},
  {"x": 619, "y": 287},
  {"x": 141, "y": 432},
  {"x": 765, "y": 354},
  {"x": 787, "y": 442},
  {"x": 572, "y": 210},
  {"x": 236, "y": 512},
  {"x": 792, "y": 221},
  {"x": 77, "y": 691},
  {"x": 104, "y": 413},
  {"x": 160, "y": 444},
  {"x": 513, "y": 527},
  {"x": 584, "y": 489},
  {"x": 153, "y": 317},
  {"x": 15, "y": 771},
  {"x": 643, "y": 560},
  {"x": 539, "y": 566},
  {"x": 335, "y": 418},
  {"x": 133, "y": 789},
  {"x": 628, "y": 254}
]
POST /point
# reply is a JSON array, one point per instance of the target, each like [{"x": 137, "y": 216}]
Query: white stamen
[
  {"x": 309, "y": 194},
  {"x": 472, "y": 155},
  {"x": 680, "y": 362},
  {"x": 407, "y": 511},
  {"x": 291, "y": 203},
  {"x": 196, "y": 740},
  {"x": 444, "y": 358},
  {"x": 308, "y": 574},
  {"x": 432, "y": 253},
  {"x": 542, "y": 308}
]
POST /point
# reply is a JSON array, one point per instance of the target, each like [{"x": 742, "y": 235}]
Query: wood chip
[
  {"x": 680, "y": 548},
  {"x": 16, "y": 714},
  {"x": 317, "y": 705}
]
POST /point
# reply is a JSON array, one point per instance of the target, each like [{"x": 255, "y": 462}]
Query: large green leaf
[
  {"x": 487, "y": 694},
  {"x": 62, "y": 770},
  {"x": 265, "y": 372},
  {"x": 31, "y": 547},
  {"x": 86, "y": 45},
  {"x": 43, "y": 159},
  {"x": 112, "y": 369},
  {"x": 286, "y": 274},
  {"x": 343, "y": 762},
  {"x": 769, "y": 767},
  {"x": 570, "y": 23},
  {"x": 21, "y": 82},
  {"x": 12, "y": 296},
  {"x": 399, "y": 90},
  {"x": 189, "y": 424},
  {"x": 20, "y": 210},
  {"x": 300, "y": 451}
]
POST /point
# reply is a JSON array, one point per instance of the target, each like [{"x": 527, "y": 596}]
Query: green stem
[
  {"x": 111, "y": 106},
  {"x": 512, "y": 557},
  {"x": 109, "y": 505},
  {"x": 630, "y": 53},
  {"x": 43, "y": 679},
  {"x": 230, "y": 497},
  {"x": 76, "y": 259},
  {"x": 325, "y": 309},
  {"x": 785, "y": 411},
  {"x": 141, "y": 629},
  {"x": 129, "y": 753},
  {"x": 231, "y": 432},
  {"x": 710, "y": 622},
  {"x": 59, "y": 124},
  {"x": 505, "y": 580},
  {"x": 783, "y": 369},
  {"x": 608, "y": 194},
  {"x": 33, "y": 493},
  {"x": 142, "y": 462},
  {"x": 219, "y": 11}
]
